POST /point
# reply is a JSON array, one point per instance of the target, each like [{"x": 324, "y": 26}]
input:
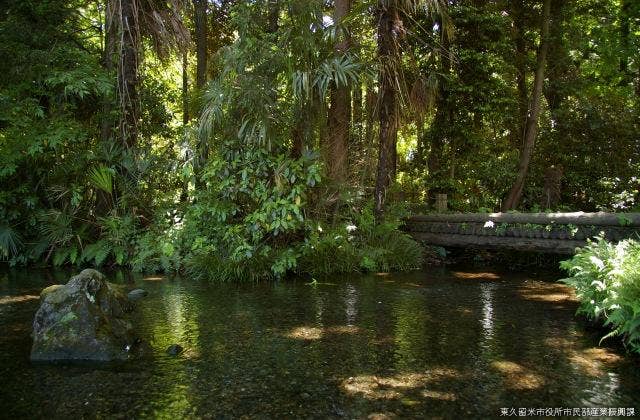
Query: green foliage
[
  {"x": 156, "y": 252},
  {"x": 606, "y": 278},
  {"x": 9, "y": 241},
  {"x": 71, "y": 194},
  {"x": 251, "y": 212},
  {"x": 101, "y": 177},
  {"x": 469, "y": 140},
  {"x": 360, "y": 246},
  {"x": 250, "y": 221}
]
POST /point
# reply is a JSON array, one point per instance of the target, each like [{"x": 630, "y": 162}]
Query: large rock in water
[{"x": 82, "y": 320}]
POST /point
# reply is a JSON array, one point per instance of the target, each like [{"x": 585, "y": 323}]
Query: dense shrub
[
  {"x": 356, "y": 245},
  {"x": 606, "y": 278}
]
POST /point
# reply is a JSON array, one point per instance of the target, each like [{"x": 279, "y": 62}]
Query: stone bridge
[{"x": 557, "y": 233}]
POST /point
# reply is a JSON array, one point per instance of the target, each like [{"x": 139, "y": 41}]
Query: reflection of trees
[
  {"x": 169, "y": 315},
  {"x": 410, "y": 330}
]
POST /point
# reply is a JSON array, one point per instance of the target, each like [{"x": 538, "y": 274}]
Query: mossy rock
[{"x": 86, "y": 319}]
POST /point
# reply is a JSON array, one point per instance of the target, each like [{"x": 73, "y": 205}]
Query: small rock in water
[
  {"x": 136, "y": 294},
  {"x": 174, "y": 349}
]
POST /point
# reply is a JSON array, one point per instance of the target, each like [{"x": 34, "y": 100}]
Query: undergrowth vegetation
[
  {"x": 357, "y": 245},
  {"x": 606, "y": 278}
]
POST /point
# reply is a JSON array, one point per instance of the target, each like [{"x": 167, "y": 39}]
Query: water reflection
[
  {"x": 455, "y": 344},
  {"x": 486, "y": 297},
  {"x": 351, "y": 304}
]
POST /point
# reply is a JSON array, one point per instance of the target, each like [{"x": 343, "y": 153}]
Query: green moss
[
  {"x": 50, "y": 290},
  {"x": 68, "y": 317}
]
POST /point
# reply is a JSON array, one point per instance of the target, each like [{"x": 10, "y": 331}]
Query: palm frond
[
  {"x": 10, "y": 241},
  {"x": 55, "y": 227},
  {"x": 101, "y": 178}
]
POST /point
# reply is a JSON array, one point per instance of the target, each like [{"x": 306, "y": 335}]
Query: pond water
[{"x": 449, "y": 342}]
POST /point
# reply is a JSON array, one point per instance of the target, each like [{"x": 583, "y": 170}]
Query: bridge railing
[{"x": 546, "y": 232}]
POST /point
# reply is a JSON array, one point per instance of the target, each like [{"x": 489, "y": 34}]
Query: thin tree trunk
[
  {"x": 106, "y": 126},
  {"x": 356, "y": 113},
  {"x": 441, "y": 131},
  {"x": 368, "y": 147},
  {"x": 185, "y": 88},
  {"x": 419, "y": 158},
  {"x": 531, "y": 130},
  {"x": 557, "y": 61},
  {"x": 201, "y": 29},
  {"x": 274, "y": 14},
  {"x": 340, "y": 110},
  {"x": 200, "y": 9},
  {"x": 103, "y": 202},
  {"x": 298, "y": 133},
  {"x": 128, "y": 73},
  {"x": 184, "y": 194},
  {"x": 370, "y": 102},
  {"x": 389, "y": 29},
  {"x": 625, "y": 30},
  {"x": 521, "y": 73}
]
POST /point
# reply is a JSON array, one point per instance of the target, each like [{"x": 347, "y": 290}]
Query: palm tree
[
  {"x": 127, "y": 21},
  {"x": 340, "y": 111},
  {"x": 391, "y": 87}
]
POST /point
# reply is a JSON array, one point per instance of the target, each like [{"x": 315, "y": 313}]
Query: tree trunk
[
  {"x": 185, "y": 88},
  {"x": 389, "y": 30},
  {"x": 557, "y": 62},
  {"x": 356, "y": 113},
  {"x": 531, "y": 129},
  {"x": 200, "y": 9},
  {"x": 443, "y": 120},
  {"x": 521, "y": 72},
  {"x": 625, "y": 30},
  {"x": 128, "y": 70},
  {"x": 201, "y": 29},
  {"x": 103, "y": 201},
  {"x": 367, "y": 152},
  {"x": 298, "y": 133},
  {"x": 340, "y": 108},
  {"x": 273, "y": 15},
  {"x": 108, "y": 57}
]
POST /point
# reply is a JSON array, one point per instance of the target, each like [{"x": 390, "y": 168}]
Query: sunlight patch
[
  {"x": 475, "y": 276},
  {"x": 342, "y": 329},
  {"x": 439, "y": 395},
  {"x": 316, "y": 333},
  {"x": 592, "y": 361},
  {"x": 6, "y": 300},
  {"x": 553, "y": 293},
  {"x": 305, "y": 333},
  {"x": 400, "y": 386},
  {"x": 517, "y": 376}
]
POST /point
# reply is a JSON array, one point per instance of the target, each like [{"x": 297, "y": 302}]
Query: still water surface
[{"x": 446, "y": 343}]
